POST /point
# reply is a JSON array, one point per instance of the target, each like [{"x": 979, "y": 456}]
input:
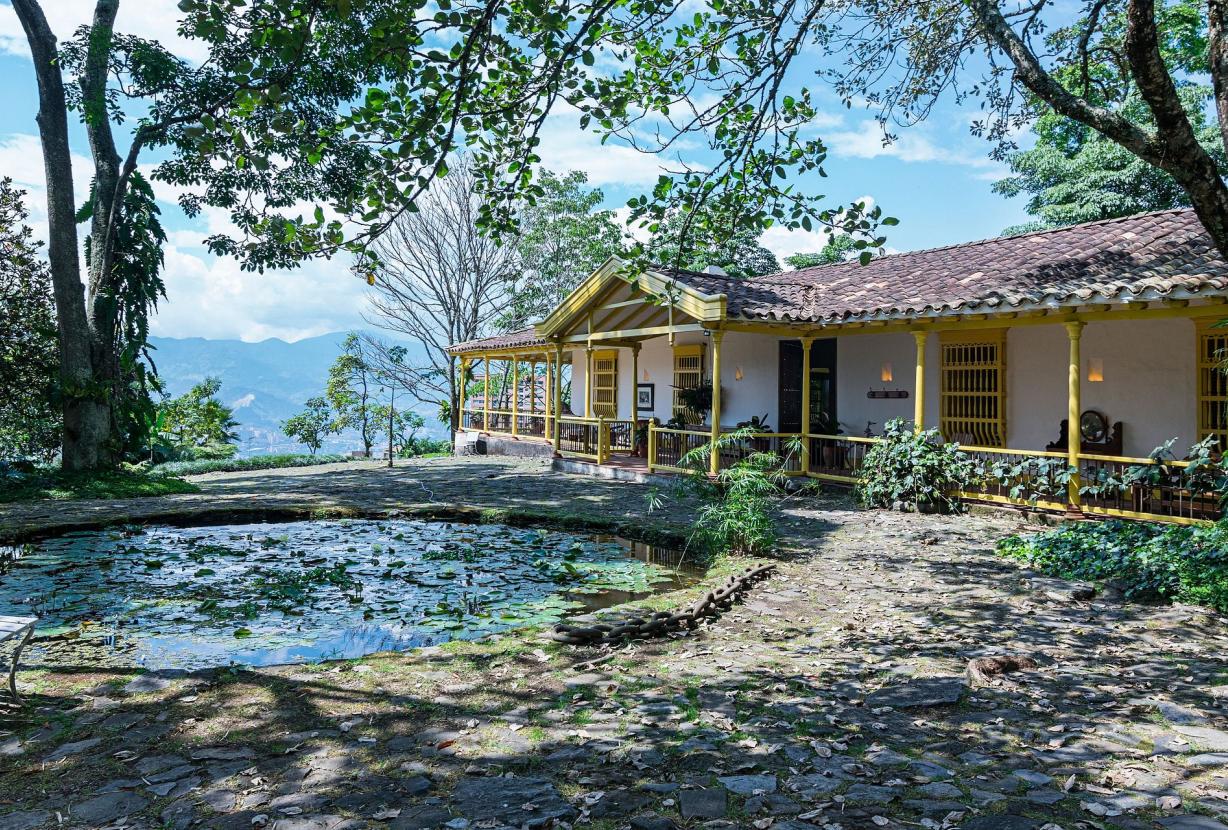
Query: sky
[{"x": 935, "y": 178}]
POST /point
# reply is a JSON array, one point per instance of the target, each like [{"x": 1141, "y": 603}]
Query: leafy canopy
[
  {"x": 312, "y": 425},
  {"x": 197, "y": 424}
]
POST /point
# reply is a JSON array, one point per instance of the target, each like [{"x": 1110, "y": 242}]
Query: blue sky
[{"x": 935, "y": 179}]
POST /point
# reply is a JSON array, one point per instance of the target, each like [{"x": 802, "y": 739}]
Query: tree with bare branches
[{"x": 441, "y": 282}]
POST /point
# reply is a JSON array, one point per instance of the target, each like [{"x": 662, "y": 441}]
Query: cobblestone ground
[{"x": 834, "y": 697}]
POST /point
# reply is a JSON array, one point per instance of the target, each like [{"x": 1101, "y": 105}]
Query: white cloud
[
  {"x": 912, "y": 144},
  {"x": 150, "y": 19}
]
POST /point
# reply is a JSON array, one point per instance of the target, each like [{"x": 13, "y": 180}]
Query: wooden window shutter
[
  {"x": 688, "y": 373},
  {"x": 973, "y": 397},
  {"x": 605, "y": 383}
]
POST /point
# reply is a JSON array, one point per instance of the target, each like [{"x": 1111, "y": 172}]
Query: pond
[{"x": 265, "y": 594}]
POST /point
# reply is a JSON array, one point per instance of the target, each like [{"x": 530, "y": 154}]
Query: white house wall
[{"x": 1149, "y": 380}]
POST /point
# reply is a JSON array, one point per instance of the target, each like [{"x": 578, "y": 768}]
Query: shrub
[
  {"x": 232, "y": 465},
  {"x": 913, "y": 470},
  {"x": 1187, "y": 564}
]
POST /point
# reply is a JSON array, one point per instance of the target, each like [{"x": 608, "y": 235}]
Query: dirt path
[{"x": 833, "y": 698}]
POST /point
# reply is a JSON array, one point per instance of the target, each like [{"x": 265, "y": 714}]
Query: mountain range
[{"x": 266, "y": 382}]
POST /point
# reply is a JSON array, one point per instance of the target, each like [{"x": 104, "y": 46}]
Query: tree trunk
[{"x": 87, "y": 417}]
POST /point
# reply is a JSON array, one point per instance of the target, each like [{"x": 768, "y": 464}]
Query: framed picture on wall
[{"x": 645, "y": 397}]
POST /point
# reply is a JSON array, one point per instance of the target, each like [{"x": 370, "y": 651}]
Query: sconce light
[
  {"x": 1095, "y": 370},
  {"x": 645, "y": 376},
  {"x": 886, "y": 374},
  {"x": 737, "y": 373}
]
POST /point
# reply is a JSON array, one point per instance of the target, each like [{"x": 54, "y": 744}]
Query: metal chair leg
[{"x": 16, "y": 658}]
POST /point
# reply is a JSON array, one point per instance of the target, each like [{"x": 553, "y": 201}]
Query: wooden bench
[{"x": 20, "y": 629}]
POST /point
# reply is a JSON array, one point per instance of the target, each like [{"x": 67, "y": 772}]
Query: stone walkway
[{"x": 834, "y": 697}]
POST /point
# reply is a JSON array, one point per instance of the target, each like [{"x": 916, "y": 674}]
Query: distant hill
[{"x": 265, "y": 382}]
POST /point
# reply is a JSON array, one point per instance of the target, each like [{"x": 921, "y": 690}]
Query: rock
[
  {"x": 940, "y": 789},
  {"x": 145, "y": 684},
  {"x": 619, "y": 803},
  {"x": 178, "y": 815},
  {"x": 315, "y": 823},
  {"x": 870, "y": 794},
  {"x": 106, "y": 808},
  {"x": 1032, "y": 777},
  {"x": 887, "y": 758},
  {"x": 64, "y": 750},
  {"x": 1191, "y": 822},
  {"x": 815, "y": 785},
  {"x": 1002, "y": 822},
  {"x": 23, "y": 819},
  {"x": 1207, "y": 759},
  {"x": 652, "y": 821},
  {"x": 975, "y": 759},
  {"x": 922, "y": 692},
  {"x": 223, "y": 753},
  {"x": 10, "y": 747},
  {"x": 506, "y": 800},
  {"x": 1215, "y": 740},
  {"x": 122, "y": 720},
  {"x": 1061, "y": 590},
  {"x": 929, "y": 770},
  {"x": 706, "y": 803},
  {"x": 1045, "y": 796},
  {"x": 748, "y": 785},
  {"x": 425, "y": 817}
]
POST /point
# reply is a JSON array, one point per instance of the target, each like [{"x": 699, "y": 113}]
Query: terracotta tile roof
[
  {"x": 1151, "y": 256},
  {"x": 525, "y": 338}
]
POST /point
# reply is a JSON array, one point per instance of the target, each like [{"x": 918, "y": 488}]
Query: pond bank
[{"x": 833, "y": 697}]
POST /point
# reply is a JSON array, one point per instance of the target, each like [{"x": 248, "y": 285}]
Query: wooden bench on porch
[{"x": 20, "y": 629}]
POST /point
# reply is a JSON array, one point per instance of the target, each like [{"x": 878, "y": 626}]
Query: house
[{"x": 1110, "y": 325}]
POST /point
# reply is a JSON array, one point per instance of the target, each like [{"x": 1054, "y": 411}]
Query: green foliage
[
  {"x": 1074, "y": 173},
  {"x": 425, "y": 447},
  {"x": 564, "y": 236},
  {"x": 44, "y": 484},
  {"x": 1185, "y": 564},
  {"x": 914, "y": 470},
  {"x": 197, "y": 425},
  {"x": 352, "y": 385},
  {"x": 312, "y": 425},
  {"x": 837, "y": 249},
  {"x": 737, "y": 514},
  {"x": 697, "y": 398},
  {"x": 29, "y": 359},
  {"x": 232, "y": 465},
  {"x": 684, "y": 241}
]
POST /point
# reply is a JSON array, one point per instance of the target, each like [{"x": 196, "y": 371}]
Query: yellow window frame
[
  {"x": 688, "y": 373},
  {"x": 605, "y": 383},
  {"x": 1212, "y": 383},
  {"x": 973, "y": 391}
]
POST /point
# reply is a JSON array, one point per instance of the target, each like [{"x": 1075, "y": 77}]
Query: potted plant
[
  {"x": 639, "y": 444},
  {"x": 697, "y": 399}
]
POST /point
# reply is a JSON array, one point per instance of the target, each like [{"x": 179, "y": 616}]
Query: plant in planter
[
  {"x": 911, "y": 470},
  {"x": 639, "y": 444},
  {"x": 697, "y": 399}
]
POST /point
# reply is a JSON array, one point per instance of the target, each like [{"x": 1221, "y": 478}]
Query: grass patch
[
  {"x": 56, "y": 485},
  {"x": 238, "y": 465}
]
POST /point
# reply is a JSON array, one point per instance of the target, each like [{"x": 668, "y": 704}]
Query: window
[
  {"x": 973, "y": 406},
  {"x": 605, "y": 384},
  {"x": 1212, "y": 384},
  {"x": 688, "y": 373}
]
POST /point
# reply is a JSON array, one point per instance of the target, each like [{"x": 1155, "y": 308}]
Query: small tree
[
  {"x": 197, "y": 424},
  {"x": 352, "y": 385},
  {"x": 29, "y": 417},
  {"x": 838, "y": 249},
  {"x": 312, "y": 425},
  {"x": 684, "y": 241}
]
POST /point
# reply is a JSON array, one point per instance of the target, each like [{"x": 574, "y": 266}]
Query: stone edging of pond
[{"x": 659, "y": 533}]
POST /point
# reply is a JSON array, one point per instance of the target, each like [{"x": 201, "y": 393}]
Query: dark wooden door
[{"x": 822, "y": 386}]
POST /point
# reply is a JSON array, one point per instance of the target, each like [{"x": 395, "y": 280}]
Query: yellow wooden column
[
  {"x": 714, "y": 464},
  {"x": 515, "y": 394},
  {"x": 588, "y": 381},
  {"x": 486, "y": 398},
  {"x": 460, "y": 395},
  {"x": 558, "y": 397},
  {"x": 807, "y": 342},
  {"x": 635, "y": 380},
  {"x": 547, "y": 402},
  {"x": 918, "y": 412},
  {"x": 1074, "y": 408}
]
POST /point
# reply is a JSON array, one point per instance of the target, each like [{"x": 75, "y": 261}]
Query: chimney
[{"x": 715, "y": 270}]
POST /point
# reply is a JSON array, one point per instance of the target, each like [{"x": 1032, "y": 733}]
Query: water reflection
[{"x": 263, "y": 594}]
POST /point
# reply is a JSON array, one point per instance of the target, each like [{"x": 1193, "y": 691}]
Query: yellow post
[
  {"x": 486, "y": 398},
  {"x": 558, "y": 397},
  {"x": 588, "y": 381},
  {"x": 515, "y": 395},
  {"x": 635, "y": 380},
  {"x": 807, "y": 342},
  {"x": 714, "y": 463},
  {"x": 918, "y": 412},
  {"x": 460, "y": 395},
  {"x": 1074, "y": 408},
  {"x": 602, "y": 440},
  {"x": 547, "y": 403},
  {"x": 652, "y": 444}
]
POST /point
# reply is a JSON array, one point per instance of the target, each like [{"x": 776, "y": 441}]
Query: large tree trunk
[{"x": 87, "y": 416}]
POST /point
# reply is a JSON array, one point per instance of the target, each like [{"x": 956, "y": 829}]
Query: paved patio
[{"x": 833, "y": 698}]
